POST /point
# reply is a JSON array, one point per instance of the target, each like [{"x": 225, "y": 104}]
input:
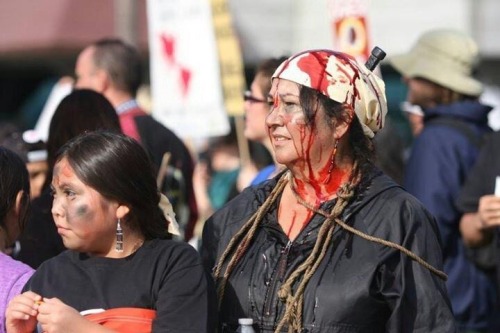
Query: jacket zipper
[{"x": 278, "y": 276}]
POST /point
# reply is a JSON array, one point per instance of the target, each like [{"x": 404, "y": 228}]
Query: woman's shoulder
[
  {"x": 163, "y": 246},
  {"x": 51, "y": 268},
  {"x": 13, "y": 272},
  {"x": 390, "y": 214},
  {"x": 169, "y": 251},
  {"x": 385, "y": 202}
]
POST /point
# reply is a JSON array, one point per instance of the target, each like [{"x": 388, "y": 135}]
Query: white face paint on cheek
[{"x": 298, "y": 119}]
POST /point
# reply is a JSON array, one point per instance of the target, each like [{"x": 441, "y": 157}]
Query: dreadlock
[
  {"x": 243, "y": 238},
  {"x": 294, "y": 302}
]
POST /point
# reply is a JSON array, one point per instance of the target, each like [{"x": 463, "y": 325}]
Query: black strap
[{"x": 461, "y": 126}]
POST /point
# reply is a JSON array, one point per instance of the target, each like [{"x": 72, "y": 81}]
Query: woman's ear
[
  {"x": 343, "y": 124},
  {"x": 17, "y": 206},
  {"x": 12, "y": 224},
  {"x": 121, "y": 211}
]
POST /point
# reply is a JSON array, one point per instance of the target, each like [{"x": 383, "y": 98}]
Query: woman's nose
[{"x": 274, "y": 117}]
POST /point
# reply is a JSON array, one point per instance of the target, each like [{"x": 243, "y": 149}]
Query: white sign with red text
[{"x": 186, "y": 88}]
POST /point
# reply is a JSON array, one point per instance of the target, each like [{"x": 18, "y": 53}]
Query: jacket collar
[
  {"x": 372, "y": 184},
  {"x": 469, "y": 110}
]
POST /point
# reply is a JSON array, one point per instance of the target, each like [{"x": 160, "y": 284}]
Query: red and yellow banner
[{"x": 349, "y": 21}]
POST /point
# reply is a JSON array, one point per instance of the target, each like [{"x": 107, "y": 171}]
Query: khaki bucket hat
[{"x": 445, "y": 57}]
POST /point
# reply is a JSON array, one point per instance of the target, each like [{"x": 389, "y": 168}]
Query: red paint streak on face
[
  {"x": 307, "y": 138},
  {"x": 276, "y": 100}
]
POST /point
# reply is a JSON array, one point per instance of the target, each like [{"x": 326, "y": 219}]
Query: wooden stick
[{"x": 162, "y": 173}]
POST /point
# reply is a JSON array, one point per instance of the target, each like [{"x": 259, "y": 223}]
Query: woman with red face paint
[
  {"x": 330, "y": 244},
  {"x": 121, "y": 273}
]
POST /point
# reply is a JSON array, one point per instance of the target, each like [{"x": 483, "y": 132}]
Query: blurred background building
[{"x": 39, "y": 40}]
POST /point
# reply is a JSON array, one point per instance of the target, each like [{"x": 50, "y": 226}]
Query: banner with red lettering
[{"x": 186, "y": 87}]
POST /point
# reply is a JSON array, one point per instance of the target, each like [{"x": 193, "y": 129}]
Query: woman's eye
[
  {"x": 69, "y": 193},
  {"x": 290, "y": 106}
]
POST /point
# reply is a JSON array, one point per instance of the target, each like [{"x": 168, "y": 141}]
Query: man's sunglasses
[{"x": 250, "y": 98}]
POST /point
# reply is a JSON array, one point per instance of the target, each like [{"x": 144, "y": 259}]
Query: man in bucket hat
[{"x": 438, "y": 72}]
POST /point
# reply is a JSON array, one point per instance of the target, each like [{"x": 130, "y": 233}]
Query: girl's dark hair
[
  {"x": 81, "y": 111},
  {"x": 361, "y": 147},
  {"x": 13, "y": 178},
  {"x": 119, "y": 169}
]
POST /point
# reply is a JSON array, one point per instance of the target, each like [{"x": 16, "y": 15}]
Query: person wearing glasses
[
  {"x": 331, "y": 244},
  {"x": 257, "y": 105}
]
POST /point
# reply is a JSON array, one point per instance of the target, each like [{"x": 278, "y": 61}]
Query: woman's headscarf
[{"x": 339, "y": 77}]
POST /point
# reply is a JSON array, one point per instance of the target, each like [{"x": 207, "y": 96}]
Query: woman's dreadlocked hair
[{"x": 362, "y": 151}]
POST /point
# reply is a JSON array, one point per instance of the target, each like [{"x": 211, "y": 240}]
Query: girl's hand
[
  {"x": 20, "y": 316},
  {"x": 56, "y": 317}
]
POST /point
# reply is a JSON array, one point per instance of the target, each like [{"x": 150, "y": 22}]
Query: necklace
[{"x": 302, "y": 201}]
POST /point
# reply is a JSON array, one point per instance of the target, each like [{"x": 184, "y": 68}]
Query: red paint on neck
[
  {"x": 336, "y": 179},
  {"x": 322, "y": 191}
]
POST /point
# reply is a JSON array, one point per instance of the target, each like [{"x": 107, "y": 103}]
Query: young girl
[{"x": 106, "y": 210}]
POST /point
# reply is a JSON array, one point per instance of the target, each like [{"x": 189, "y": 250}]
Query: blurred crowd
[{"x": 96, "y": 154}]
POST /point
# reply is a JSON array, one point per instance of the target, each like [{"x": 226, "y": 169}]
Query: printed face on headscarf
[{"x": 85, "y": 219}]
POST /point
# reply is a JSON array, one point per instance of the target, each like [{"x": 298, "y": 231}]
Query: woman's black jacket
[{"x": 361, "y": 285}]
